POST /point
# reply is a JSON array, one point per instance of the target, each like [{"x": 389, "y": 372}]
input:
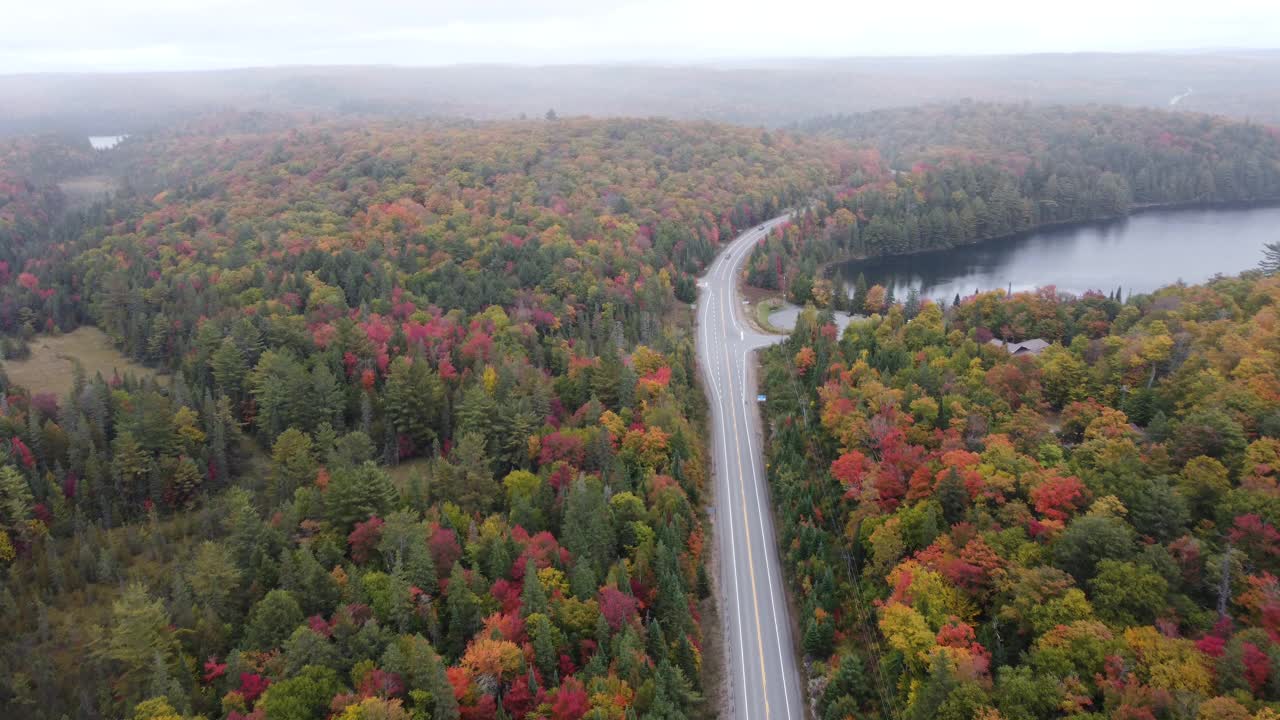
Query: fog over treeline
[{"x": 767, "y": 92}]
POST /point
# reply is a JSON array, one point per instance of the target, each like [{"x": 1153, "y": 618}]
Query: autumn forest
[{"x": 404, "y": 421}]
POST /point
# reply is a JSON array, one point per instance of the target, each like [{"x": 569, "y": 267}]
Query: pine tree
[
  {"x": 323, "y": 442},
  {"x": 603, "y": 638},
  {"x": 859, "y": 293},
  {"x": 229, "y": 368},
  {"x": 498, "y": 559},
  {"x": 672, "y": 604},
  {"x": 655, "y": 641},
  {"x": 401, "y": 598},
  {"x": 477, "y": 413},
  {"x": 139, "y": 633},
  {"x": 366, "y": 414},
  {"x": 106, "y": 568},
  {"x": 686, "y": 658},
  {"x": 35, "y": 438},
  {"x": 272, "y": 620},
  {"x": 162, "y": 684},
  {"x": 839, "y": 293},
  {"x": 292, "y": 464},
  {"x": 248, "y": 339},
  {"x": 818, "y": 636},
  {"x": 912, "y": 306},
  {"x": 217, "y": 422},
  {"x": 848, "y": 681},
  {"x": 586, "y": 530},
  {"x": 320, "y": 591},
  {"x": 582, "y": 581},
  {"x": 518, "y": 424},
  {"x": 356, "y": 493},
  {"x": 546, "y": 640},
  {"x": 131, "y": 464},
  {"x": 403, "y": 544},
  {"x": 468, "y": 477},
  {"x": 1270, "y": 264},
  {"x": 464, "y": 609},
  {"x": 15, "y": 498},
  {"x": 533, "y": 599},
  {"x": 214, "y": 576},
  {"x": 416, "y": 491},
  {"x": 326, "y": 397},
  {"x": 606, "y": 378},
  {"x": 184, "y": 483},
  {"x": 413, "y": 398}
]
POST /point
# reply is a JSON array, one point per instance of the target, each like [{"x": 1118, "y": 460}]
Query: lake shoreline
[{"x": 825, "y": 268}]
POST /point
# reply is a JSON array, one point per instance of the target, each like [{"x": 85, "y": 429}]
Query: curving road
[{"x": 762, "y": 673}]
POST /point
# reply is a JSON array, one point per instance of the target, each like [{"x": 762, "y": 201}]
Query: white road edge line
[
  {"x": 773, "y": 603},
  {"x": 724, "y": 443}
]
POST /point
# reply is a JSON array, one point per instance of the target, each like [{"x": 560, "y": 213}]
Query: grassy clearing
[
  {"x": 401, "y": 473},
  {"x": 49, "y": 369},
  {"x": 81, "y": 192},
  {"x": 763, "y": 309}
]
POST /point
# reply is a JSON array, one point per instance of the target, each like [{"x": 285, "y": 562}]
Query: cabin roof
[{"x": 1032, "y": 346}]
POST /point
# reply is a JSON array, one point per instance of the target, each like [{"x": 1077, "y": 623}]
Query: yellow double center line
[{"x": 742, "y": 487}]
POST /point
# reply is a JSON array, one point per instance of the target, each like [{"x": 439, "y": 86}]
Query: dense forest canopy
[
  {"x": 30, "y": 200},
  {"x": 498, "y": 309},
  {"x": 944, "y": 175},
  {"x": 1090, "y": 532},
  {"x": 464, "y": 217},
  {"x": 420, "y": 434}
]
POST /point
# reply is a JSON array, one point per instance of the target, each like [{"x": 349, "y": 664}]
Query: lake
[
  {"x": 105, "y": 142},
  {"x": 1139, "y": 254}
]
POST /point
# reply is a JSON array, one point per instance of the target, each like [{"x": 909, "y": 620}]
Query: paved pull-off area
[{"x": 761, "y": 669}]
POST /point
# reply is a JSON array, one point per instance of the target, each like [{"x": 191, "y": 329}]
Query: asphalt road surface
[{"x": 762, "y": 672}]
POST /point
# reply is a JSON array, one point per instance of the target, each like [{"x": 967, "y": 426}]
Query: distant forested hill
[
  {"x": 943, "y": 175},
  {"x": 767, "y": 93}
]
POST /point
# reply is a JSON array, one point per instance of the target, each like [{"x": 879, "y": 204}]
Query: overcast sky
[{"x": 119, "y": 35}]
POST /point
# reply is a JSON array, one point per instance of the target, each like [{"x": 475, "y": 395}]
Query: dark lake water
[{"x": 1141, "y": 253}]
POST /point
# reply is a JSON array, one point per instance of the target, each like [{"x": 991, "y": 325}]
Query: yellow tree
[{"x": 877, "y": 297}]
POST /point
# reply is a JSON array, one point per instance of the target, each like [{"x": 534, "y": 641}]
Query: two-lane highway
[{"x": 762, "y": 671}]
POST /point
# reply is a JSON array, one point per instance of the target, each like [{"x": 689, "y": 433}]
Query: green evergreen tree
[
  {"x": 16, "y": 500},
  {"x": 139, "y": 634},
  {"x": 463, "y": 607},
  {"x": 414, "y": 399},
  {"x": 404, "y": 545},
  {"x": 546, "y": 640},
  {"x": 468, "y": 479},
  {"x": 303, "y": 697},
  {"x": 162, "y": 684},
  {"x": 859, "y": 293},
  {"x": 672, "y": 604},
  {"x": 214, "y": 576},
  {"x": 356, "y": 493},
  {"x": 292, "y": 464},
  {"x": 307, "y": 647},
  {"x": 229, "y": 369},
  {"x": 326, "y": 397},
  {"x": 587, "y": 527},
  {"x": 272, "y": 620},
  {"x": 533, "y": 599}
]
